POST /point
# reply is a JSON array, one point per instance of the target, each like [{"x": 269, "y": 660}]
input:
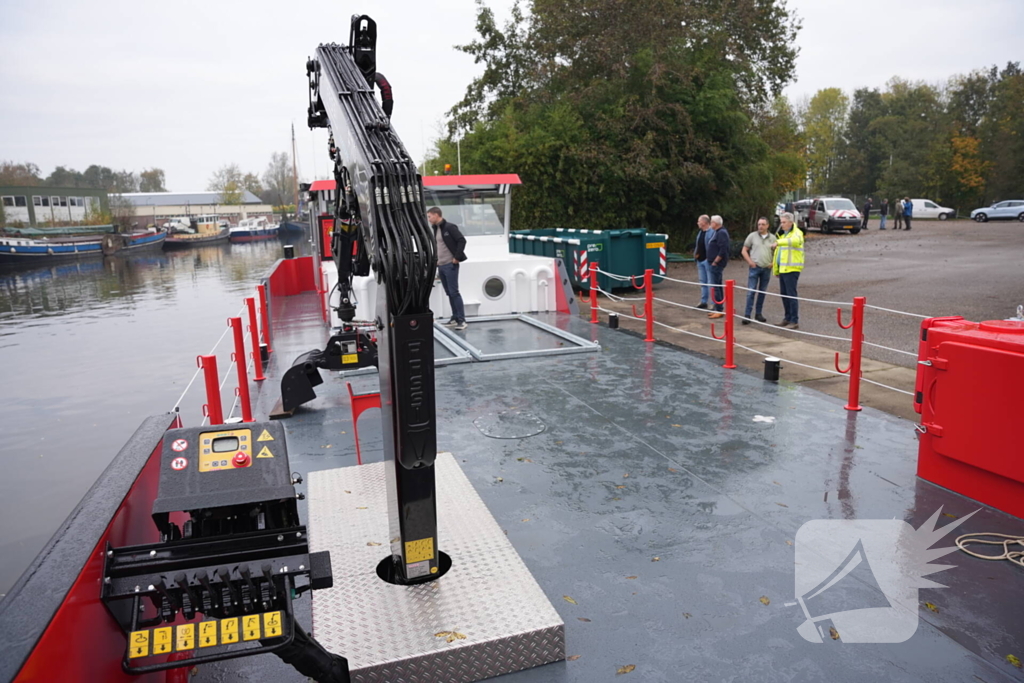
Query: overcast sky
[{"x": 190, "y": 86}]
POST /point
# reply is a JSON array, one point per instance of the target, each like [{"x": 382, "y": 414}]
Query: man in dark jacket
[
  {"x": 867, "y": 214},
  {"x": 700, "y": 252},
  {"x": 718, "y": 258},
  {"x": 451, "y": 247}
]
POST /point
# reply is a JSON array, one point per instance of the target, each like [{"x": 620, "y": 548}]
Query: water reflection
[{"x": 90, "y": 348}]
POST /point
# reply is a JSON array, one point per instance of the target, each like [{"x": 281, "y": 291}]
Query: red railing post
[
  {"x": 593, "y": 292},
  {"x": 730, "y": 322},
  {"x": 649, "y": 303},
  {"x": 257, "y": 359},
  {"x": 243, "y": 377},
  {"x": 212, "y": 409},
  {"x": 856, "y": 345},
  {"x": 264, "y": 316},
  {"x": 323, "y": 299}
]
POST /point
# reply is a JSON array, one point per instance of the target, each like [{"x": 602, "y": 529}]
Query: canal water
[{"x": 90, "y": 348}]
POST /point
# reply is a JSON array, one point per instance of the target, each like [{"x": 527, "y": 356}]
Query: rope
[
  {"x": 693, "y": 334},
  {"x": 212, "y": 352},
  {"x": 890, "y": 310},
  {"x": 614, "y": 276},
  {"x": 776, "y": 327},
  {"x": 885, "y": 386},
  {"x": 879, "y": 346},
  {"x": 673, "y": 303},
  {"x": 791, "y": 362},
  {"x": 1014, "y": 556},
  {"x": 235, "y": 403},
  {"x": 686, "y": 282}
]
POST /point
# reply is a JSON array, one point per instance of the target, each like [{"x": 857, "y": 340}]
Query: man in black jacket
[
  {"x": 451, "y": 252},
  {"x": 718, "y": 259}
]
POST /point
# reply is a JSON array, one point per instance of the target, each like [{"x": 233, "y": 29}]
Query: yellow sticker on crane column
[
  {"x": 186, "y": 637},
  {"x": 207, "y": 633},
  {"x": 347, "y": 358},
  {"x": 418, "y": 551},
  {"x": 161, "y": 640},
  {"x": 140, "y": 644}
]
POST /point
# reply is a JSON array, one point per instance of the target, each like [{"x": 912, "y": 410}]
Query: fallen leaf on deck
[
  {"x": 789, "y": 542},
  {"x": 499, "y": 479},
  {"x": 524, "y": 460},
  {"x": 625, "y": 669},
  {"x": 396, "y": 539},
  {"x": 655, "y": 559},
  {"x": 360, "y": 508},
  {"x": 348, "y": 492},
  {"x": 946, "y": 514},
  {"x": 687, "y": 615},
  {"x": 568, "y": 599},
  {"x": 625, "y": 475},
  {"x": 450, "y": 636},
  {"x": 616, "y": 498},
  {"x": 584, "y": 619},
  {"x": 573, "y": 658},
  {"x": 777, "y": 483},
  {"x": 672, "y": 469},
  {"x": 782, "y": 505},
  {"x": 764, "y": 600},
  {"x": 677, "y": 425},
  {"x": 372, "y": 543},
  {"x": 1013, "y": 660},
  {"x": 931, "y": 607},
  {"x": 630, "y": 577},
  {"x": 833, "y": 633},
  {"x": 526, "y": 519},
  {"x": 620, "y": 486}
]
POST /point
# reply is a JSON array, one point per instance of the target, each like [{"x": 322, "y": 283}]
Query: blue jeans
[
  {"x": 450, "y": 281},
  {"x": 882, "y": 226},
  {"x": 717, "y": 292},
  {"x": 704, "y": 276},
  {"x": 787, "y": 287},
  {"x": 757, "y": 279}
]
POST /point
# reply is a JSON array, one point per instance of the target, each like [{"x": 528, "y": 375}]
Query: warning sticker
[
  {"x": 161, "y": 640},
  {"x": 265, "y": 453},
  {"x": 186, "y": 637},
  {"x": 179, "y": 464},
  {"x": 655, "y": 245},
  {"x": 265, "y": 436},
  {"x": 271, "y": 624},
  {"x": 140, "y": 644},
  {"x": 229, "y": 630},
  {"x": 179, "y": 445},
  {"x": 207, "y": 633},
  {"x": 417, "y": 569},
  {"x": 347, "y": 358},
  {"x": 418, "y": 551},
  {"x": 251, "y": 627}
]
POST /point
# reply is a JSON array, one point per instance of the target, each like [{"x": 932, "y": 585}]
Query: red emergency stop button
[{"x": 241, "y": 459}]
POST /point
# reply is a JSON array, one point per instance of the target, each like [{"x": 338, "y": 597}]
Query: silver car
[{"x": 1007, "y": 210}]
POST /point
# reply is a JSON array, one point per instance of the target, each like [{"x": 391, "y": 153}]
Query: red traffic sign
[
  {"x": 179, "y": 445},
  {"x": 179, "y": 463}
]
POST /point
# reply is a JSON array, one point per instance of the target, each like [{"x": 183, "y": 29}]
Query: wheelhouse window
[{"x": 476, "y": 212}]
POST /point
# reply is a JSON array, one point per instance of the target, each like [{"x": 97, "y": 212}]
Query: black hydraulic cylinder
[{"x": 312, "y": 661}]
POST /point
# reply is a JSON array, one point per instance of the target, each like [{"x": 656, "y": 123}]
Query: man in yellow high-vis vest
[{"x": 788, "y": 264}]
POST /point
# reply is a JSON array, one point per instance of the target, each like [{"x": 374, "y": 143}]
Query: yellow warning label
[
  {"x": 185, "y": 637},
  {"x": 162, "y": 640},
  {"x": 229, "y": 630},
  {"x": 418, "y": 551},
  {"x": 265, "y": 436},
  {"x": 265, "y": 453},
  {"x": 271, "y": 624},
  {"x": 207, "y": 633},
  {"x": 347, "y": 358},
  {"x": 655, "y": 245},
  {"x": 139, "y": 644},
  {"x": 251, "y": 627}
]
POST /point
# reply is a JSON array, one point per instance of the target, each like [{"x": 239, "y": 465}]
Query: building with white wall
[{"x": 158, "y": 207}]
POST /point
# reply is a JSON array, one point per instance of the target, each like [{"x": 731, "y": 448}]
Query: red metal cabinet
[{"x": 970, "y": 394}]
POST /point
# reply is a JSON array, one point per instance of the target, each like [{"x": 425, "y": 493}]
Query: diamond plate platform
[{"x": 388, "y": 632}]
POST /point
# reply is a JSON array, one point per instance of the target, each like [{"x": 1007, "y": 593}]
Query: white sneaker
[
  {"x": 461, "y": 326},
  {"x": 451, "y": 323}
]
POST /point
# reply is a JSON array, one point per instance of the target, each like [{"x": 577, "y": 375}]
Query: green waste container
[{"x": 624, "y": 253}]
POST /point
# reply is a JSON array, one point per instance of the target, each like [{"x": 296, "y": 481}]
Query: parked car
[
  {"x": 1007, "y": 210},
  {"x": 926, "y": 208},
  {"x": 828, "y": 214}
]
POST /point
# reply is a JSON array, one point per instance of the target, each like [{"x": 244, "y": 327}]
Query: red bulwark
[
  {"x": 293, "y": 276},
  {"x": 969, "y": 396}
]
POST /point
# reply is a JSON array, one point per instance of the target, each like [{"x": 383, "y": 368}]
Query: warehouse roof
[{"x": 183, "y": 198}]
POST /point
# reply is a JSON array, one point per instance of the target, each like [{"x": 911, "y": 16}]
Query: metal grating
[{"x": 388, "y": 632}]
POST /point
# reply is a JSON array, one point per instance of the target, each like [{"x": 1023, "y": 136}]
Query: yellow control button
[
  {"x": 229, "y": 630},
  {"x": 185, "y": 637},
  {"x": 251, "y": 627},
  {"x": 271, "y": 624},
  {"x": 207, "y": 633},
  {"x": 139, "y": 644},
  {"x": 161, "y": 640}
]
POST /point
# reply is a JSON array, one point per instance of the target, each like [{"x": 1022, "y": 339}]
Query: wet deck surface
[{"x": 656, "y": 502}]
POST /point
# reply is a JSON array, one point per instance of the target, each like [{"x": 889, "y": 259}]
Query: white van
[{"x": 926, "y": 208}]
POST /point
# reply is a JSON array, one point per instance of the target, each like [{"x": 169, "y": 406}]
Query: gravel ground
[{"x": 939, "y": 268}]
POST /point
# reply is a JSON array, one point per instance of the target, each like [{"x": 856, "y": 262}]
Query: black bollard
[
  {"x": 771, "y": 369},
  {"x": 264, "y": 354},
  {"x": 289, "y": 251},
  {"x": 613, "y": 321}
]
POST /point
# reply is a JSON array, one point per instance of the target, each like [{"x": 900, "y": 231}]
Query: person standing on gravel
[
  {"x": 908, "y": 211},
  {"x": 897, "y": 214},
  {"x": 718, "y": 258},
  {"x": 700, "y": 254},
  {"x": 788, "y": 264},
  {"x": 757, "y": 252},
  {"x": 867, "y": 214},
  {"x": 884, "y": 211}
]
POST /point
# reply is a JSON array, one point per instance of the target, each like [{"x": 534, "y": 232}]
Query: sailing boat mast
[{"x": 295, "y": 170}]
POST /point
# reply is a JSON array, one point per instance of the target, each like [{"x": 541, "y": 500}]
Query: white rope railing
[
  {"x": 891, "y": 310},
  {"x": 692, "y": 334},
  {"x": 885, "y": 386},
  {"x": 199, "y": 370},
  {"x": 888, "y": 348},
  {"x": 791, "y": 362}
]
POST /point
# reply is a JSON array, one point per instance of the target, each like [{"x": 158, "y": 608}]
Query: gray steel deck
[{"x": 655, "y": 502}]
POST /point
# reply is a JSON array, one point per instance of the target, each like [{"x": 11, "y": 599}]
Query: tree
[
  {"x": 19, "y": 174},
  {"x": 824, "y": 125},
  {"x": 152, "y": 180},
  {"x": 229, "y": 182},
  {"x": 251, "y": 182},
  {"x": 278, "y": 181},
  {"x": 122, "y": 212}
]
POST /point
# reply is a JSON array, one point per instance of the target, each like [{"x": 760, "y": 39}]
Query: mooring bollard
[
  {"x": 771, "y": 368},
  {"x": 212, "y": 408},
  {"x": 593, "y": 292},
  {"x": 257, "y": 359},
  {"x": 264, "y": 317},
  {"x": 243, "y": 377},
  {"x": 856, "y": 345},
  {"x": 613, "y": 321},
  {"x": 289, "y": 251}
]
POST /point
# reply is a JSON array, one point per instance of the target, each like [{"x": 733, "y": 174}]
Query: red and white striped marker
[
  {"x": 584, "y": 269},
  {"x": 662, "y": 261}
]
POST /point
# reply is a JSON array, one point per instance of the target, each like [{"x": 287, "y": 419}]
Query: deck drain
[{"x": 509, "y": 424}]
